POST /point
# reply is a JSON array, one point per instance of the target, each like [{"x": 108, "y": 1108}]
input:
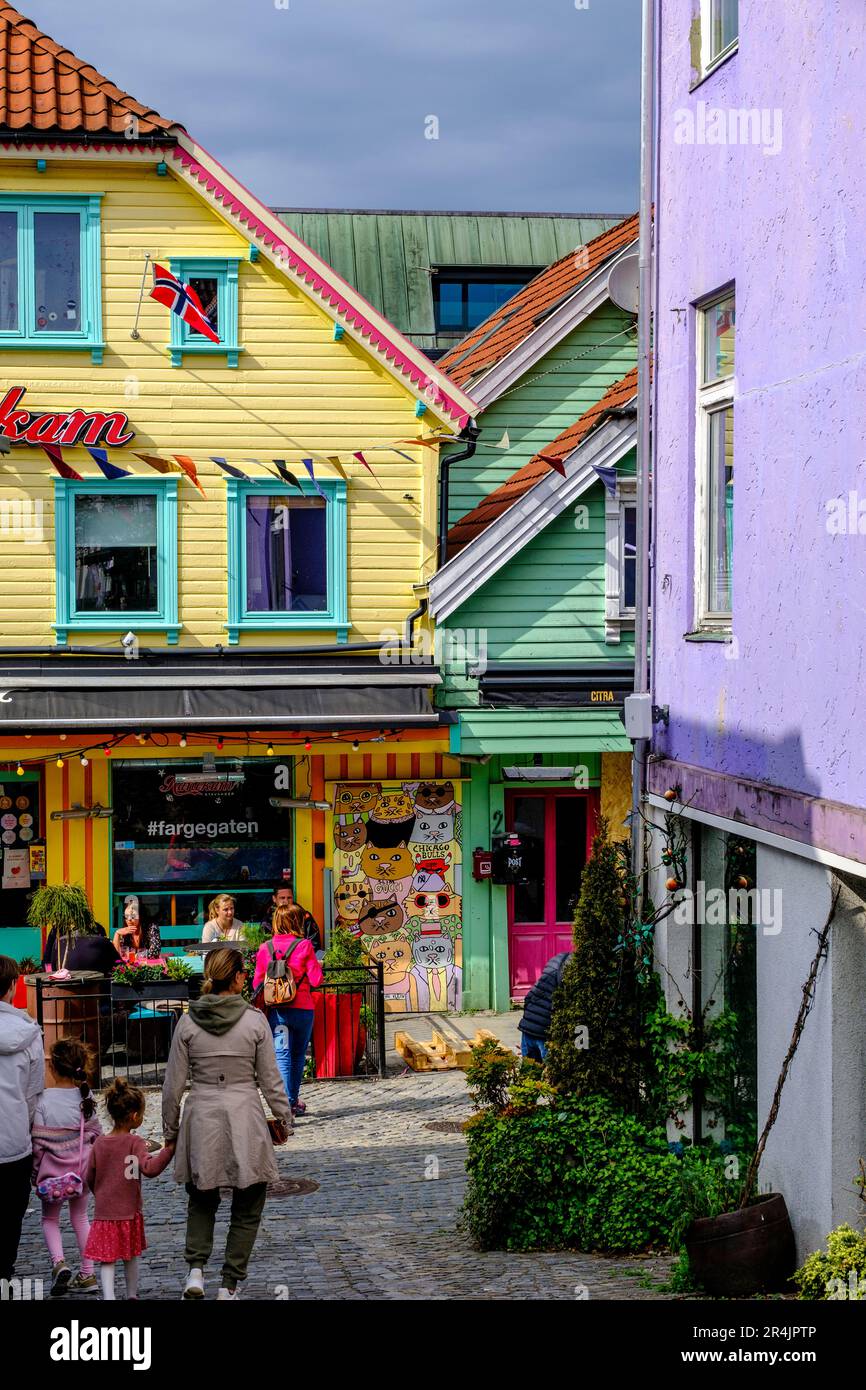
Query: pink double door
[{"x": 541, "y": 912}]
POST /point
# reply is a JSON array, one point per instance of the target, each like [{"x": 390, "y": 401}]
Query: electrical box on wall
[
  {"x": 482, "y": 865},
  {"x": 516, "y": 858}
]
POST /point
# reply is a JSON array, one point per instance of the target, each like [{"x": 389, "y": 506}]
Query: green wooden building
[{"x": 534, "y": 605}]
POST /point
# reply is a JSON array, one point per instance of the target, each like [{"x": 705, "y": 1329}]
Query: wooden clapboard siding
[
  {"x": 550, "y": 397},
  {"x": 293, "y": 382},
  {"x": 388, "y": 255}
]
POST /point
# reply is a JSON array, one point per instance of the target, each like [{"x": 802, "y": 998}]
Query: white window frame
[
  {"x": 714, "y": 396},
  {"x": 617, "y": 617},
  {"x": 709, "y": 60}
]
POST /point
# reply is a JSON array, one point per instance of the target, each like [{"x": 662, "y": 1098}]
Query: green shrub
[
  {"x": 490, "y": 1073},
  {"x": 837, "y": 1273},
  {"x": 577, "y": 1173}
]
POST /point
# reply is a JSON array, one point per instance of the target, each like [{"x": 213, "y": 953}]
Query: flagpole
[{"x": 135, "y": 334}]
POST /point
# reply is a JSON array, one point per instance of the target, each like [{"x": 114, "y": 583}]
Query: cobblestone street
[{"x": 377, "y": 1227}]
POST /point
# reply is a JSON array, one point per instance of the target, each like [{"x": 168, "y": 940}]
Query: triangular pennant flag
[
  {"x": 157, "y": 464},
  {"x": 552, "y": 462},
  {"x": 504, "y": 443},
  {"x": 360, "y": 457},
  {"x": 335, "y": 463},
  {"x": 229, "y": 468},
  {"x": 404, "y": 456},
  {"x": 607, "y": 476},
  {"x": 189, "y": 469},
  {"x": 428, "y": 443},
  {"x": 286, "y": 475},
  {"x": 56, "y": 457},
  {"x": 111, "y": 471},
  {"x": 308, "y": 464}
]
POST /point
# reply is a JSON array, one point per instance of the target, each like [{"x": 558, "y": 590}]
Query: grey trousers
[{"x": 246, "y": 1213}]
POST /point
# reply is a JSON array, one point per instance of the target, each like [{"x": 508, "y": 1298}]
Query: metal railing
[{"x": 130, "y": 1030}]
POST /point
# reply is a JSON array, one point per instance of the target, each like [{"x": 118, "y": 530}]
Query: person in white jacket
[{"x": 22, "y": 1081}]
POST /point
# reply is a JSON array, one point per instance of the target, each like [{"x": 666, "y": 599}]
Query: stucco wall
[{"x": 780, "y": 703}]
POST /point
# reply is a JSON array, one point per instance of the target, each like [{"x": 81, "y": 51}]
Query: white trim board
[
  {"x": 504, "y": 538},
  {"x": 587, "y": 297},
  {"x": 763, "y": 837}
]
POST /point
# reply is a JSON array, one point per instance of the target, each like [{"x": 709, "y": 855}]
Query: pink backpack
[{"x": 65, "y": 1185}]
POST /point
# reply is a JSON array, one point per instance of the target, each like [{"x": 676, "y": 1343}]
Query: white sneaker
[
  {"x": 225, "y": 1295},
  {"x": 194, "y": 1286}
]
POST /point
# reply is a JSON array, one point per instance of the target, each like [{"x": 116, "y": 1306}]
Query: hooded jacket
[
  {"x": 538, "y": 1004},
  {"x": 22, "y": 1081}
]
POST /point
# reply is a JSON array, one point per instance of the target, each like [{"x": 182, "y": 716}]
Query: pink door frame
[{"x": 550, "y": 925}]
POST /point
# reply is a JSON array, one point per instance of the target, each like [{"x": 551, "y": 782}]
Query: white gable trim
[
  {"x": 504, "y": 538},
  {"x": 588, "y": 297}
]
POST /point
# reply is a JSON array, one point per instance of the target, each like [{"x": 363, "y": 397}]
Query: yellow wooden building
[{"x": 214, "y": 553}]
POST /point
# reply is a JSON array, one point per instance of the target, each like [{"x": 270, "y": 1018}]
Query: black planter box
[{"x": 172, "y": 989}]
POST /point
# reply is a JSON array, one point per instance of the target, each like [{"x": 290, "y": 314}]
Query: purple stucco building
[{"x": 759, "y": 577}]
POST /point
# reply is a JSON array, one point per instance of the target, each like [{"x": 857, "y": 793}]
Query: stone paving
[{"x": 378, "y": 1226}]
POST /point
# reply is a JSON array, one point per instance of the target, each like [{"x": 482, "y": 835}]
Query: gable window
[
  {"x": 287, "y": 557},
  {"x": 714, "y": 509},
  {"x": 116, "y": 557},
  {"x": 463, "y": 297},
  {"x": 50, "y": 293},
  {"x": 215, "y": 281},
  {"x": 720, "y": 28},
  {"x": 620, "y": 510}
]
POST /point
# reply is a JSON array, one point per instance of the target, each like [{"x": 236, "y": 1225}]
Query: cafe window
[
  {"x": 50, "y": 295},
  {"x": 287, "y": 557},
  {"x": 116, "y": 548},
  {"x": 215, "y": 282}
]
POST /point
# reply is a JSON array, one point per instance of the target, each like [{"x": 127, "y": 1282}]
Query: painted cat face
[
  {"x": 351, "y": 897},
  {"x": 395, "y": 953},
  {"x": 387, "y": 863},
  {"x": 433, "y": 952},
  {"x": 434, "y": 828},
  {"x": 393, "y": 806},
  {"x": 429, "y": 875},
  {"x": 434, "y": 796},
  {"x": 382, "y": 916},
  {"x": 350, "y": 836},
  {"x": 433, "y": 905},
  {"x": 350, "y": 798}
]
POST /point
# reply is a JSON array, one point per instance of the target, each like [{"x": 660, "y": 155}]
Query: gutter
[{"x": 468, "y": 435}]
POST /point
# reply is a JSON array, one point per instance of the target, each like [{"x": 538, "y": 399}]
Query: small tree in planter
[{"x": 64, "y": 907}]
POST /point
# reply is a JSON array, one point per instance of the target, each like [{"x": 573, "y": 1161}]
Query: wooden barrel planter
[
  {"x": 69, "y": 1010},
  {"x": 744, "y": 1252}
]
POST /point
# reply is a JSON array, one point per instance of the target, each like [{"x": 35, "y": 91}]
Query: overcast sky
[{"x": 323, "y": 103}]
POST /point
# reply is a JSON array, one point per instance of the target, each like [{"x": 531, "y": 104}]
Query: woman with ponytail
[
  {"x": 64, "y": 1128},
  {"x": 224, "y": 1049}
]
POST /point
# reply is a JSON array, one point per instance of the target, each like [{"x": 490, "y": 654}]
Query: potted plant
[
  {"x": 341, "y": 1018},
  {"x": 63, "y": 907},
  {"x": 70, "y": 1005},
  {"x": 139, "y": 981},
  {"x": 26, "y": 966}
]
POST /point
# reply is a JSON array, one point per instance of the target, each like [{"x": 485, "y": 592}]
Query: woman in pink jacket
[{"x": 291, "y": 1024}]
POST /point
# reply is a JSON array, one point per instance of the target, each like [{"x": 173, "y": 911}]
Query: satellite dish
[{"x": 623, "y": 283}]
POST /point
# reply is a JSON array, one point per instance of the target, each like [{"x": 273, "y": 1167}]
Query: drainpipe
[
  {"x": 410, "y": 621},
  {"x": 469, "y": 434},
  {"x": 644, "y": 443}
]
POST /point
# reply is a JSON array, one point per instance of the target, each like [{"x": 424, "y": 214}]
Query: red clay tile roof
[
  {"x": 473, "y": 523},
  {"x": 515, "y": 320},
  {"x": 44, "y": 87}
]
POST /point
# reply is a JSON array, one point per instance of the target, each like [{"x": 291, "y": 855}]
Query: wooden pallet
[{"x": 439, "y": 1054}]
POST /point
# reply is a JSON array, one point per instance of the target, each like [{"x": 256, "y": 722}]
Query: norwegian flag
[{"x": 181, "y": 299}]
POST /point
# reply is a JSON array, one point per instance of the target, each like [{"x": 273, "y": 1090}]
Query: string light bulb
[
  {"x": 19, "y": 771},
  {"x": 220, "y": 743},
  {"x": 307, "y": 745},
  {"x": 59, "y": 762},
  {"x": 84, "y": 761},
  {"x": 62, "y": 738},
  {"x": 355, "y": 745},
  {"x": 107, "y": 751},
  {"x": 182, "y": 741},
  {"x": 270, "y": 750}
]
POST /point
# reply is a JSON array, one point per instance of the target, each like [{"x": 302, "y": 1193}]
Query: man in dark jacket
[
  {"x": 538, "y": 1006},
  {"x": 283, "y": 896}
]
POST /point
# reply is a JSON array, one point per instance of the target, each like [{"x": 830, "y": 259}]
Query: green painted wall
[
  {"x": 387, "y": 256},
  {"x": 552, "y": 396}
]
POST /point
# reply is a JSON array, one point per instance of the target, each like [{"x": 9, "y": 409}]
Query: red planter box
[
  {"x": 338, "y": 1033},
  {"x": 19, "y": 998}
]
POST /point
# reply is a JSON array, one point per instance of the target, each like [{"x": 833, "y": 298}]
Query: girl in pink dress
[{"x": 114, "y": 1169}]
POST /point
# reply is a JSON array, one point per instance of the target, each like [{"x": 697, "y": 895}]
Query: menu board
[{"x": 19, "y": 832}]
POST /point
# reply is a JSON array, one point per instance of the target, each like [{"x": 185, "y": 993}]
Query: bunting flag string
[
  {"x": 335, "y": 463},
  {"x": 553, "y": 462},
  {"x": 360, "y": 457},
  {"x": 56, "y": 457},
  {"x": 158, "y": 464},
  {"x": 189, "y": 469},
  {"x": 608, "y": 476},
  {"x": 111, "y": 471},
  {"x": 285, "y": 473},
  {"x": 308, "y": 464},
  {"x": 230, "y": 469}
]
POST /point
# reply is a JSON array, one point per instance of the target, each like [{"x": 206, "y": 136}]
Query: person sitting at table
[
  {"x": 136, "y": 934},
  {"x": 283, "y": 895},
  {"x": 87, "y": 950},
  {"x": 221, "y": 924}
]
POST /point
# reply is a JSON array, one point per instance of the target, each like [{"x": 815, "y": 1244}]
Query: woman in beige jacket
[{"x": 225, "y": 1049}]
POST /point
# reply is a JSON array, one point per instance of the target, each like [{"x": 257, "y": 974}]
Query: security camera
[
  {"x": 129, "y": 639},
  {"x": 129, "y": 642}
]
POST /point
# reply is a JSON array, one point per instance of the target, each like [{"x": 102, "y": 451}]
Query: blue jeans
[
  {"x": 292, "y": 1029},
  {"x": 533, "y": 1047}
]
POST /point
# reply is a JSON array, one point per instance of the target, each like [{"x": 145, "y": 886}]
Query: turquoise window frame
[
  {"x": 68, "y": 617},
  {"x": 224, "y": 269},
  {"x": 89, "y": 337},
  {"x": 334, "y": 618}
]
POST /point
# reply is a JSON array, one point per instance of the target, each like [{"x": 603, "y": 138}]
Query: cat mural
[
  {"x": 350, "y": 836},
  {"x": 352, "y": 799},
  {"x": 429, "y": 875},
  {"x": 351, "y": 898},
  {"x": 388, "y": 870},
  {"x": 391, "y": 820},
  {"x": 382, "y": 918},
  {"x": 439, "y": 978},
  {"x": 401, "y": 983}
]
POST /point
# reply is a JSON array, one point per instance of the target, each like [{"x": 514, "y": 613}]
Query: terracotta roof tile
[
  {"x": 515, "y": 320},
  {"x": 44, "y": 87},
  {"x": 485, "y": 513}
]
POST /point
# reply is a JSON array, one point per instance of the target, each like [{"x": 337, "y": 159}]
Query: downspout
[
  {"x": 469, "y": 434},
  {"x": 644, "y": 442}
]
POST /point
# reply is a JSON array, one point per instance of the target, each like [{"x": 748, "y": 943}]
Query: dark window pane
[
  {"x": 570, "y": 852},
  {"x": 721, "y": 511},
  {"x": 287, "y": 561},
  {"x": 8, "y": 271},
  {"x": 116, "y": 554},
  {"x": 450, "y": 304},
  {"x": 207, "y": 289},
  {"x": 528, "y": 821},
  {"x": 485, "y": 297},
  {"x": 629, "y": 556},
  {"x": 57, "y": 253}
]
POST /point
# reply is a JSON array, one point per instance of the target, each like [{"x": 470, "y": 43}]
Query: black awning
[
  {"x": 61, "y": 694},
  {"x": 590, "y": 686}
]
